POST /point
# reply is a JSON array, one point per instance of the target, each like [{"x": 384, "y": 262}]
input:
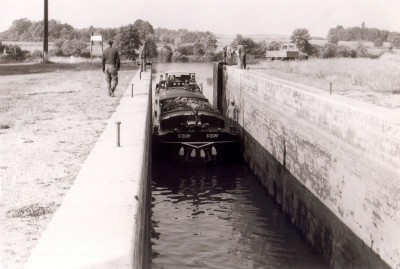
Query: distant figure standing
[
  {"x": 225, "y": 55},
  {"x": 241, "y": 57},
  {"x": 143, "y": 58},
  {"x": 111, "y": 64},
  {"x": 231, "y": 111},
  {"x": 232, "y": 55}
]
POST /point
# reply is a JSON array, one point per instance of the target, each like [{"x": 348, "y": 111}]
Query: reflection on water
[{"x": 220, "y": 217}]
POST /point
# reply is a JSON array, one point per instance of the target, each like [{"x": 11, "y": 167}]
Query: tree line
[
  {"x": 176, "y": 45},
  {"x": 166, "y": 45},
  {"x": 363, "y": 33}
]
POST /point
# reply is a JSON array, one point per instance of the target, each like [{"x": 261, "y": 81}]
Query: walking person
[
  {"x": 111, "y": 64},
  {"x": 241, "y": 57},
  {"x": 225, "y": 55},
  {"x": 143, "y": 57}
]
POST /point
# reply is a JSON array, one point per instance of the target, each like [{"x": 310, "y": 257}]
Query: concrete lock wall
[{"x": 332, "y": 163}]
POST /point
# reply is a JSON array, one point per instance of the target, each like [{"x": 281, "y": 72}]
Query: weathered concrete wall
[{"x": 332, "y": 163}]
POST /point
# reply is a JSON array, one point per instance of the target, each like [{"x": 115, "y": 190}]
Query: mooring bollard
[
  {"x": 330, "y": 88},
  {"x": 118, "y": 123},
  {"x": 132, "y": 89}
]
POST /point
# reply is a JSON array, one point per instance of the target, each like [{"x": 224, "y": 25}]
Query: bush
[
  {"x": 165, "y": 54},
  {"x": 332, "y": 50},
  {"x": 343, "y": 51},
  {"x": 333, "y": 39},
  {"x": 36, "y": 54},
  {"x": 329, "y": 51},
  {"x": 362, "y": 51},
  {"x": 378, "y": 42},
  {"x": 315, "y": 51},
  {"x": 15, "y": 52},
  {"x": 76, "y": 48},
  {"x": 176, "y": 57},
  {"x": 56, "y": 52},
  {"x": 274, "y": 45}
]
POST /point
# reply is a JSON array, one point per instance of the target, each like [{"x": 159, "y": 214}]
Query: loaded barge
[{"x": 186, "y": 128}]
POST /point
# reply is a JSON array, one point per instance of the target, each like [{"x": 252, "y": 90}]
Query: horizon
[{"x": 221, "y": 17}]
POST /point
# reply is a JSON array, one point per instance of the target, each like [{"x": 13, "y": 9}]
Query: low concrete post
[
  {"x": 132, "y": 90},
  {"x": 330, "y": 88},
  {"x": 118, "y": 123}
]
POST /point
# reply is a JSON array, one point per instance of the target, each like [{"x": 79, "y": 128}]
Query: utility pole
[{"x": 46, "y": 31}]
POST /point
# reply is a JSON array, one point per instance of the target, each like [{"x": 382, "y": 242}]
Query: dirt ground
[{"x": 49, "y": 122}]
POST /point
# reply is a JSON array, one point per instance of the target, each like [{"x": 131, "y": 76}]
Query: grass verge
[{"x": 376, "y": 81}]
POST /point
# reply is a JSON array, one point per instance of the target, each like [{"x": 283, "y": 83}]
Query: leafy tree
[
  {"x": 191, "y": 37},
  {"x": 199, "y": 49},
  {"x": 128, "y": 41},
  {"x": 177, "y": 57},
  {"x": 166, "y": 35},
  {"x": 337, "y": 31},
  {"x": 18, "y": 27},
  {"x": 260, "y": 49},
  {"x": 394, "y": 39},
  {"x": 301, "y": 38},
  {"x": 144, "y": 28},
  {"x": 185, "y": 49},
  {"x": 378, "y": 42},
  {"x": 210, "y": 44},
  {"x": 248, "y": 43},
  {"x": 333, "y": 39},
  {"x": 362, "y": 33},
  {"x": 165, "y": 54},
  {"x": 108, "y": 33},
  {"x": 151, "y": 45},
  {"x": 274, "y": 45},
  {"x": 37, "y": 31},
  {"x": 55, "y": 28}
]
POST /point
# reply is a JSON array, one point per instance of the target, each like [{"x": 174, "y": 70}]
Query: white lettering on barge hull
[
  {"x": 183, "y": 136},
  {"x": 212, "y": 135}
]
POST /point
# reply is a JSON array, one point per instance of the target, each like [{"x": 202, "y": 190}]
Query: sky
[{"x": 229, "y": 17}]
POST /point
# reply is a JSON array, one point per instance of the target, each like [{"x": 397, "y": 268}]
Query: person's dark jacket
[{"x": 111, "y": 56}]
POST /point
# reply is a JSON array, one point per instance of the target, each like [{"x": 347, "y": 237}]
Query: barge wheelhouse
[{"x": 186, "y": 126}]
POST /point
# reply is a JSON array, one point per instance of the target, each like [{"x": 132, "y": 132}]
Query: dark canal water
[{"x": 220, "y": 216}]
